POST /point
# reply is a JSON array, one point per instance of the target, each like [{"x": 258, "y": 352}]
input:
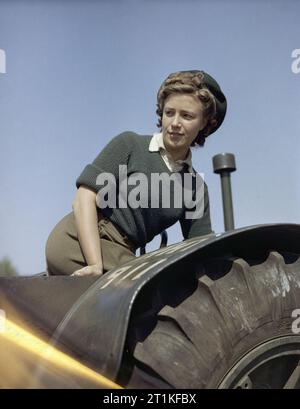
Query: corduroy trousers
[{"x": 64, "y": 254}]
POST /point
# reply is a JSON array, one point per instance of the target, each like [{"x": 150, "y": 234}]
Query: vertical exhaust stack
[{"x": 224, "y": 164}]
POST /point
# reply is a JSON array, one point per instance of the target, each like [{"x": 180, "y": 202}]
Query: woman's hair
[{"x": 186, "y": 82}]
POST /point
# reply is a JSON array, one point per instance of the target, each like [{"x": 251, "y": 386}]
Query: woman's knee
[{"x": 59, "y": 246}]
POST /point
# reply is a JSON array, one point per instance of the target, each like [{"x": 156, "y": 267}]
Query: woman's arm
[{"x": 86, "y": 220}]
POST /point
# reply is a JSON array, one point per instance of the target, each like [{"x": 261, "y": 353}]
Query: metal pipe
[{"x": 224, "y": 164}]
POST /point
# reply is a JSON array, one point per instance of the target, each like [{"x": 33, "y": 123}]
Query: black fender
[{"x": 95, "y": 327}]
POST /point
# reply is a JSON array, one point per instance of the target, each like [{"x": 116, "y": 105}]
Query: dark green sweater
[{"x": 142, "y": 224}]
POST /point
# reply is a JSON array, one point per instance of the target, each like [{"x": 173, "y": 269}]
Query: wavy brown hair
[{"x": 185, "y": 82}]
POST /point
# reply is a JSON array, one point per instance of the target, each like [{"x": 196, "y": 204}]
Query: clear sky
[{"x": 80, "y": 72}]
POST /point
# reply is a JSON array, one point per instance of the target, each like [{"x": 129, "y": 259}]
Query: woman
[{"x": 101, "y": 234}]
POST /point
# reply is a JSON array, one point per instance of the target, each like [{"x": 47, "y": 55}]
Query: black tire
[{"x": 232, "y": 329}]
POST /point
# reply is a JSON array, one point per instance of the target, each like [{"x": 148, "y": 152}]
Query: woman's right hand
[{"x": 94, "y": 270}]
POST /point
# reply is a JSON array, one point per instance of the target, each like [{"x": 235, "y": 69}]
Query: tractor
[{"x": 216, "y": 311}]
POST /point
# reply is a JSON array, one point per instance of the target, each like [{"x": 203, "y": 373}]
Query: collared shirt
[
  {"x": 157, "y": 145},
  {"x": 140, "y": 224}
]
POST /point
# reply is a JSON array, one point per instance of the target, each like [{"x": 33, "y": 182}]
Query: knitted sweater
[{"x": 143, "y": 223}]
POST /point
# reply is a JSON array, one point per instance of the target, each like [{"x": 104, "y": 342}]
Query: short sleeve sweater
[{"x": 144, "y": 222}]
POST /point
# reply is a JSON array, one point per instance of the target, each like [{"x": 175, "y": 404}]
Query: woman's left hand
[{"x": 94, "y": 270}]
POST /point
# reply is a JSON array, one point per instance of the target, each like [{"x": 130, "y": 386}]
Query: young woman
[{"x": 99, "y": 234}]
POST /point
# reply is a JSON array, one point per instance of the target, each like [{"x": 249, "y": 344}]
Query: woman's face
[{"x": 181, "y": 122}]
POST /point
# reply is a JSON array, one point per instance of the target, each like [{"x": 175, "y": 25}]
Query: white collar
[{"x": 157, "y": 144}]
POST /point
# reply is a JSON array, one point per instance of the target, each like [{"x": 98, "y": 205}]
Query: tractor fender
[{"x": 96, "y": 326}]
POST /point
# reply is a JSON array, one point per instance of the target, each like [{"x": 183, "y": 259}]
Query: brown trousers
[{"x": 64, "y": 254}]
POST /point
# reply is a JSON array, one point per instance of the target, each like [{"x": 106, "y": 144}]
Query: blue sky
[{"x": 80, "y": 72}]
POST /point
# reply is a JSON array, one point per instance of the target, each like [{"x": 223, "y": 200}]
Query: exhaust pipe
[{"x": 224, "y": 164}]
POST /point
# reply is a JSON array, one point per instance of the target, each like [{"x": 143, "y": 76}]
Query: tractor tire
[{"x": 235, "y": 326}]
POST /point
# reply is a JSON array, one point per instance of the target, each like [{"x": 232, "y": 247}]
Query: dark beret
[{"x": 221, "y": 103}]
